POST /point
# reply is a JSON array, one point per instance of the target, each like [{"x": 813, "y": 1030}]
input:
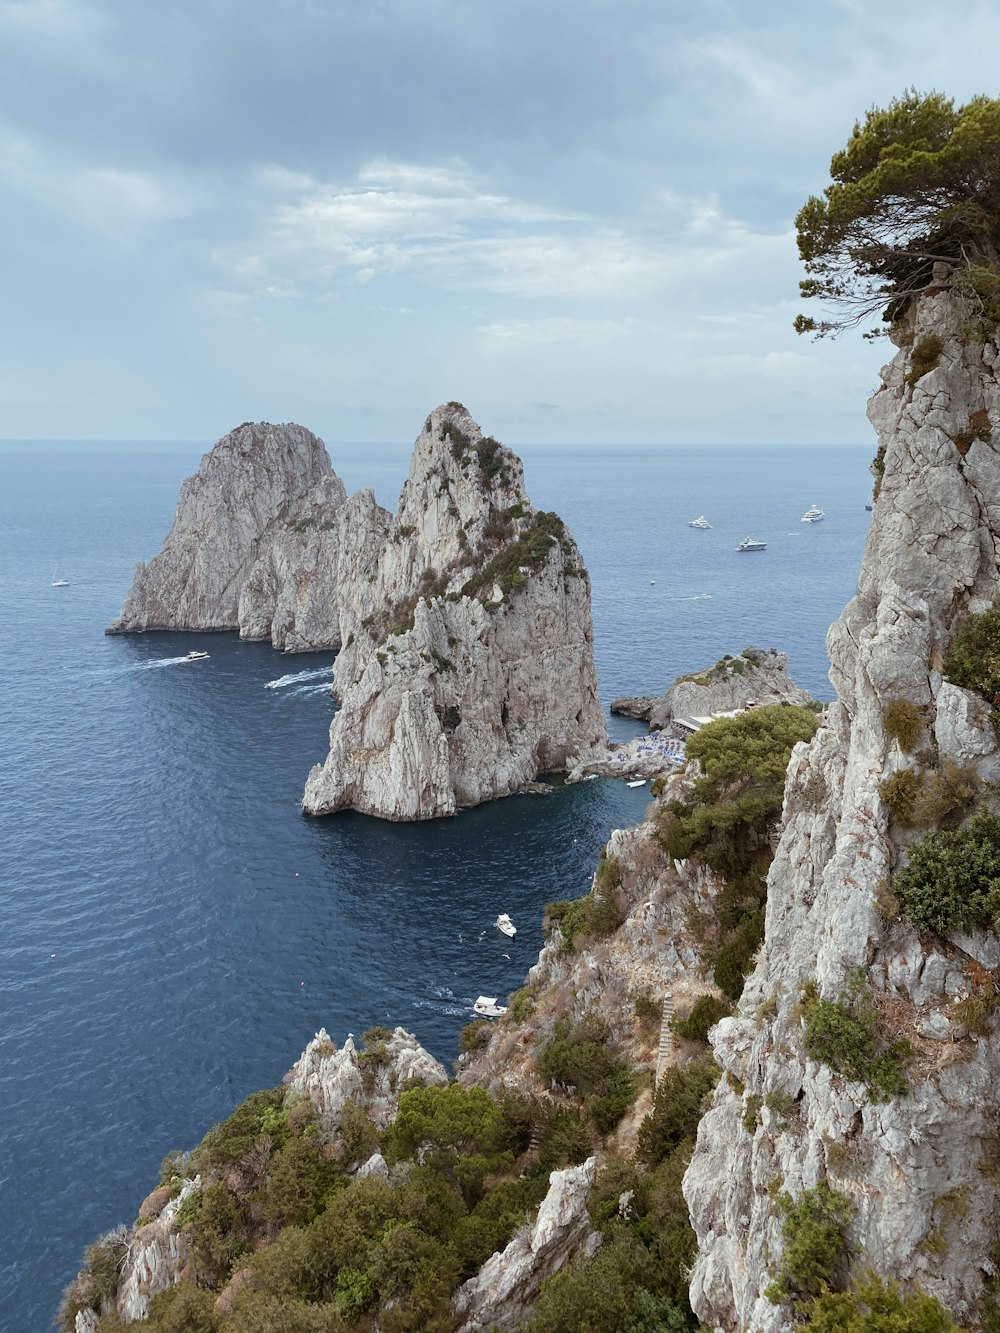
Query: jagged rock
[
  {"x": 501, "y": 1294},
  {"x": 754, "y": 675},
  {"x": 329, "y": 1077},
  {"x": 85, "y": 1322},
  {"x": 467, "y": 666},
  {"x": 253, "y": 545},
  {"x": 375, "y": 1166},
  {"x": 156, "y": 1259},
  {"x": 931, "y": 557}
]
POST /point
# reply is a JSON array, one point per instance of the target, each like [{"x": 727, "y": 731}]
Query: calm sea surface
[{"x": 173, "y": 931}]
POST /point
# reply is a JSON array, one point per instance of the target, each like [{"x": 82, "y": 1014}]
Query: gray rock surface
[
  {"x": 157, "y": 1256},
  {"x": 467, "y": 662},
  {"x": 501, "y": 1294},
  {"x": 253, "y": 546},
  {"x": 924, "y": 1208},
  {"x": 757, "y": 675},
  {"x": 330, "y": 1076}
]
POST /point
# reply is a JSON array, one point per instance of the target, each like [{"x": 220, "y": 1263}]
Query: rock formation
[
  {"x": 501, "y": 1295},
  {"x": 755, "y": 675},
  {"x": 253, "y": 545},
  {"x": 917, "y": 1169},
  {"x": 467, "y": 661}
]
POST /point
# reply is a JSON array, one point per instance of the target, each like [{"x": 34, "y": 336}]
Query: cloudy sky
[{"x": 573, "y": 215}]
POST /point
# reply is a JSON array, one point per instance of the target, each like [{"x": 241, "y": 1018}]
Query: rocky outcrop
[
  {"x": 502, "y": 1293},
  {"x": 467, "y": 662},
  {"x": 753, "y": 676},
  {"x": 253, "y": 546},
  {"x": 917, "y": 1169},
  {"x": 372, "y": 1080},
  {"x": 156, "y": 1257}
]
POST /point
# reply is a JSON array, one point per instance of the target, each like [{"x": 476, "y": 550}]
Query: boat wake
[
  {"x": 297, "y": 677},
  {"x": 162, "y": 662}
]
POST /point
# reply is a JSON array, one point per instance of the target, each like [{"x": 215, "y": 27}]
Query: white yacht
[
  {"x": 700, "y": 522},
  {"x": 812, "y": 515},
  {"x": 196, "y": 657},
  {"x": 505, "y": 925},
  {"x": 486, "y": 1007},
  {"x": 748, "y": 544}
]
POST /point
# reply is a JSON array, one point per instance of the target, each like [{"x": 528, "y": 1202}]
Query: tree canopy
[{"x": 918, "y": 183}]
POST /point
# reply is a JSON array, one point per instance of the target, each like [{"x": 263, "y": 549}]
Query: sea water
[{"x": 173, "y": 931}]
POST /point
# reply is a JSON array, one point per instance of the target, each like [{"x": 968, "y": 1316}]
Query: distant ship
[
  {"x": 748, "y": 544},
  {"x": 700, "y": 522},
  {"x": 812, "y": 515}
]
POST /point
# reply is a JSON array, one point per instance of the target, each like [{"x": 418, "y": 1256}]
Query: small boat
[
  {"x": 59, "y": 583},
  {"x": 869, "y": 508},
  {"x": 639, "y": 782},
  {"x": 505, "y": 924},
  {"x": 196, "y": 657},
  {"x": 700, "y": 522},
  {"x": 486, "y": 1007},
  {"x": 748, "y": 544},
  {"x": 812, "y": 515}
]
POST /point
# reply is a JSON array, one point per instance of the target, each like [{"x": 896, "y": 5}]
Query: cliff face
[
  {"x": 912, "y": 1166},
  {"x": 253, "y": 545},
  {"x": 467, "y": 666}
]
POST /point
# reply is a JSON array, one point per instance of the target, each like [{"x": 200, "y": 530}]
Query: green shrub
[
  {"x": 903, "y": 722},
  {"x": 973, "y": 659},
  {"x": 298, "y": 1182},
  {"x": 898, "y": 793},
  {"x": 952, "y": 879},
  {"x": 815, "y": 1247},
  {"x": 946, "y": 795},
  {"x": 358, "y": 1136},
  {"x": 925, "y": 357},
  {"x": 878, "y": 1307},
  {"x": 260, "y": 1116},
  {"x": 595, "y": 915},
  {"x": 531, "y": 551},
  {"x": 449, "y": 1117},
  {"x": 648, "y": 1011},
  {"x": 608, "y": 1107},
  {"x": 705, "y": 1013},
  {"x": 677, "y": 1107},
  {"x": 181, "y": 1309},
  {"x": 577, "y": 1054},
  {"x": 734, "y": 959},
  {"x": 474, "y": 1036},
  {"x": 842, "y": 1034}
]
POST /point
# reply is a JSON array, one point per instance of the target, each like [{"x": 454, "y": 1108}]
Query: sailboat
[{"x": 59, "y": 583}]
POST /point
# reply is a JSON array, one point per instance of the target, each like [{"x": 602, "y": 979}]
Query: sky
[{"x": 575, "y": 216}]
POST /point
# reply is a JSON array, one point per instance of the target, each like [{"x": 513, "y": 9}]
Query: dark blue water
[{"x": 173, "y": 931}]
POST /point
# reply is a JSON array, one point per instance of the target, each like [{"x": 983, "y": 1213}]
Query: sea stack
[
  {"x": 253, "y": 545},
  {"x": 915, "y": 1168},
  {"x": 467, "y": 665}
]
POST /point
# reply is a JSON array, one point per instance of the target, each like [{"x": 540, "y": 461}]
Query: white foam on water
[
  {"x": 298, "y": 676},
  {"x": 165, "y": 661}
]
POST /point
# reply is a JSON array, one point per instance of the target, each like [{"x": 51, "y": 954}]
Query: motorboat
[
  {"x": 639, "y": 782},
  {"x": 505, "y": 925},
  {"x": 486, "y": 1007},
  {"x": 748, "y": 544},
  {"x": 812, "y": 515},
  {"x": 196, "y": 657},
  {"x": 700, "y": 522},
  {"x": 59, "y": 583}
]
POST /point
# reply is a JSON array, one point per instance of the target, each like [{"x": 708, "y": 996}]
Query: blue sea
[{"x": 173, "y": 930}]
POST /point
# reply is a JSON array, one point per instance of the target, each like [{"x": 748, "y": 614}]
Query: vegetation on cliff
[{"x": 917, "y": 183}]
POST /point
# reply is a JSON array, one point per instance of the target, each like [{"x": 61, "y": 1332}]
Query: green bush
[
  {"x": 608, "y": 1107},
  {"x": 946, "y": 795},
  {"x": 734, "y": 958},
  {"x": 952, "y": 879},
  {"x": 577, "y": 1054},
  {"x": 815, "y": 1247},
  {"x": 677, "y": 1107},
  {"x": 521, "y": 1004},
  {"x": 260, "y": 1116},
  {"x": 925, "y": 356},
  {"x": 878, "y": 1307},
  {"x": 842, "y": 1034},
  {"x": 182, "y": 1309},
  {"x": 899, "y": 792},
  {"x": 595, "y": 915},
  {"x": 973, "y": 659},
  {"x": 904, "y": 722},
  {"x": 648, "y": 1011},
  {"x": 474, "y": 1036},
  {"x": 705, "y": 1013}
]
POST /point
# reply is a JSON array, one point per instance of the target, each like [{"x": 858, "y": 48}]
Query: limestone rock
[
  {"x": 253, "y": 546},
  {"x": 923, "y": 1210},
  {"x": 503, "y": 1291},
  {"x": 156, "y": 1258},
  {"x": 754, "y": 675},
  {"x": 467, "y": 662},
  {"x": 329, "y": 1077}
]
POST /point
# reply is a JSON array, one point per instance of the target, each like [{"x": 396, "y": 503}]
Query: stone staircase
[{"x": 665, "y": 1054}]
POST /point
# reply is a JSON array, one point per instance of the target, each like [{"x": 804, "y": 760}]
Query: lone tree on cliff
[{"x": 918, "y": 183}]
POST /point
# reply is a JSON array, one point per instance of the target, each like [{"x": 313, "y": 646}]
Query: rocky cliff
[
  {"x": 753, "y": 676},
  {"x": 253, "y": 546},
  {"x": 467, "y": 662},
  {"x": 916, "y": 1169}
]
